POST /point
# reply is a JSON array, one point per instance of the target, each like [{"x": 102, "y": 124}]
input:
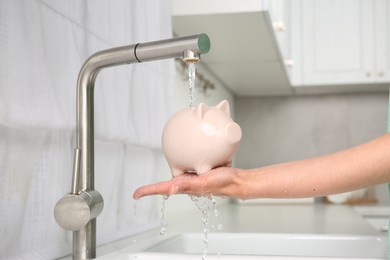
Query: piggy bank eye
[{"x": 208, "y": 129}]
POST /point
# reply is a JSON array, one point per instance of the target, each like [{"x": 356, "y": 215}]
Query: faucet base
[{"x": 84, "y": 242}]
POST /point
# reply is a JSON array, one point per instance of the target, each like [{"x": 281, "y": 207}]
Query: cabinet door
[
  {"x": 337, "y": 42},
  {"x": 279, "y": 14},
  {"x": 280, "y": 11},
  {"x": 382, "y": 40}
]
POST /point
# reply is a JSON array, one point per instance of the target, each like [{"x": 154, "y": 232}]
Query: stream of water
[
  {"x": 204, "y": 203},
  {"x": 191, "y": 81},
  {"x": 163, "y": 229}
]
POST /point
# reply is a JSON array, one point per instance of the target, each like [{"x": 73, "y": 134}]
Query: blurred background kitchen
[{"x": 303, "y": 78}]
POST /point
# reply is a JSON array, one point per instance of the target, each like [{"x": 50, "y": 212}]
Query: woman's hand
[{"x": 222, "y": 181}]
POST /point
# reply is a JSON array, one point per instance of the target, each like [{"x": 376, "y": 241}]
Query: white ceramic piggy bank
[{"x": 200, "y": 139}]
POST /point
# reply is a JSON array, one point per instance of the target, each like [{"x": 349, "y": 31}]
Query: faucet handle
[{"x": 74, "y": 211}]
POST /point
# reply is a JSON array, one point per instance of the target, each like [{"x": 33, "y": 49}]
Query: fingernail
[{"x": 136, "y": 196}]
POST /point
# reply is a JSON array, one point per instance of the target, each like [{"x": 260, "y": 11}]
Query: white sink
[{"x": 261, "y": 246}]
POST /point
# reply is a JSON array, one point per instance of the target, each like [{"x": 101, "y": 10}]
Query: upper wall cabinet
[
  {"x": 244, "y": 53},
  {"x": 263, "y": 47},
  {"x": 330, "y": 42}
]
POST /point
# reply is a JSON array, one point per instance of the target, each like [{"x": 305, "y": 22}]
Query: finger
[
  {"x": 187, "y": 183},
  {"x": 162, "y": 188}
]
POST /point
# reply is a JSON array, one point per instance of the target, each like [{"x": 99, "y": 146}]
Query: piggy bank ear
[
  {"x": 224, "y": 106},
  {"x": 200, "y": 111}
]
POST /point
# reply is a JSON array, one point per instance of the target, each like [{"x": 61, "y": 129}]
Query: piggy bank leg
[
  {"x": 176, "y": 172},
  {"x": 203, "y": 169}
]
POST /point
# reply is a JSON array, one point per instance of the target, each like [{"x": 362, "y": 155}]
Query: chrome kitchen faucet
[{"x": 78, "y": 210}]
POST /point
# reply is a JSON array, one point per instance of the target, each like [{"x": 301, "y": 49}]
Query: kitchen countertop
[{"x": 311, "y": 218}]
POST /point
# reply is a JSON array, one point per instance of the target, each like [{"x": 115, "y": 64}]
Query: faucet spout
[
  {"x": 83, "y": 194},
  {"x": 192, "y": 57}
]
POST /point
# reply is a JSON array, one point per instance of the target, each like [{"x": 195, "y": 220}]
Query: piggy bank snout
[{"x": 233, "y": 132}]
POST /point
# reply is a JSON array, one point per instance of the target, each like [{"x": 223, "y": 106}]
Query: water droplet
[
  {"x": 135, "y": 209},
  {"x": 163, "y": 231},
  {"x": 220, "y": 227},
  {"x": 162, "y": 220}
]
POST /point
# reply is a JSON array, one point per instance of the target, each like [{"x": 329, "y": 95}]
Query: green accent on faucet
[{"x": 204, "y": 43}]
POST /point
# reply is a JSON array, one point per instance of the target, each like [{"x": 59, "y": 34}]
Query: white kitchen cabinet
[
  {"x": 337, "y": 42},
  {"x": 382, "y": 39},
  {"x": 263, "y": 47},
  {"x": 334, "y": 42},
  {"x": 280, "y": 15}
]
